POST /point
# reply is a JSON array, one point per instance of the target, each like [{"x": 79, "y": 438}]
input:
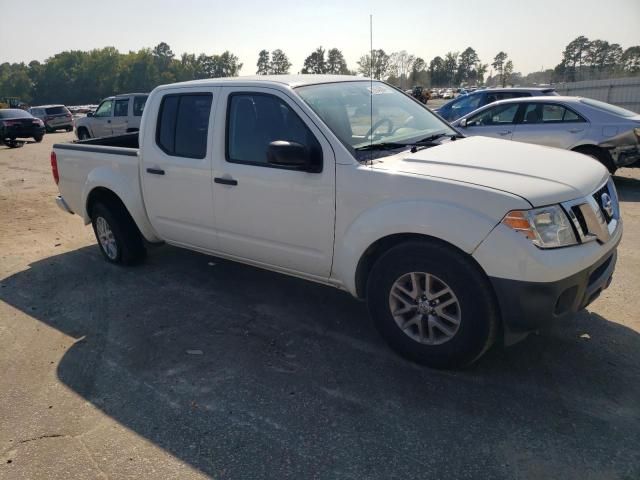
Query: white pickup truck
[{"x": 454, "y": 242}]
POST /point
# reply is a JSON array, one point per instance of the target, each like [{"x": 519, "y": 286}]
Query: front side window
[
  {"x": 549, "y": 113},
  {"x": 122, "y": 108},
  {"x": 138, "y": 105},
  {"x": 363, "y": 115},
  {"x": 256, "y": 120},
  {"x": 498, "y": 115},
  {"x": 104, "y": 110},
  {"x": 183, "y": 124}
]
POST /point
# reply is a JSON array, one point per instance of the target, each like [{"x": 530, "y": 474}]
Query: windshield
[
  {"x": 361, "y": 114},
  {"x": 607, "y": 107}
]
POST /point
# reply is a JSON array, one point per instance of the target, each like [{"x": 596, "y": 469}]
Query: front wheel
[
  {"x": 83, "y": 134},
  {"x": 118, "y": 237},
  {"x": 432, "y": 305},
  {"x": 38, "y": 138}
]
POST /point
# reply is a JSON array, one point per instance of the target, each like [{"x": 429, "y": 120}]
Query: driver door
[{"x": 101, "y": 120}]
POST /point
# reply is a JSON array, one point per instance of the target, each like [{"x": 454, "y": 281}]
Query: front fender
[
  {"x": 127, "y": 188},
  {"x": 462, "y": 227}
]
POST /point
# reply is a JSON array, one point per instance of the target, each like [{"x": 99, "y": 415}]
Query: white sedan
[{"x": 603, "y": 131}]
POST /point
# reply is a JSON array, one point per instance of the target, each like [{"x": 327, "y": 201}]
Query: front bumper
[
  {"x": 527, "y": 306},
  {"x": 626, "y": 155}
]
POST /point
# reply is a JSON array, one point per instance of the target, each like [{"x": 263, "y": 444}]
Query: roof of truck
[{"x": 289, "y": 80}]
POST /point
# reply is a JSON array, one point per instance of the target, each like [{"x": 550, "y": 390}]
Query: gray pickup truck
[{"x": 114, "y": 116}]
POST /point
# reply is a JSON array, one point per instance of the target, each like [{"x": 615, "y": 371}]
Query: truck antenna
[{"x": 371, "y": 82}]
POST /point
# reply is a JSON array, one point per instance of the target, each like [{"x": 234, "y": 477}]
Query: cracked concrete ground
[{"x": 102, "y": 376}]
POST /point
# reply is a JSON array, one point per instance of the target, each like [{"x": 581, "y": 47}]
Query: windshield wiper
[
  {"x": 432, "y": 138},
  {"x": 382, "y": 146}
]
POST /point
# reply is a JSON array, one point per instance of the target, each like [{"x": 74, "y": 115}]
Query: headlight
[{"x": 546, "y": 227}]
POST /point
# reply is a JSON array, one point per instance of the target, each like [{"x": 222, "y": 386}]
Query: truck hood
[{"x": 540, "y": 175}]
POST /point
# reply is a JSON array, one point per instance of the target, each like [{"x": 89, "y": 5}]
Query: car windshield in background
[
  {"x": 361, "y": 114},
  {"x": 607, "y": 107},
  {"x": 14, "y": 113},
  {"x": 56, "y": 110}
]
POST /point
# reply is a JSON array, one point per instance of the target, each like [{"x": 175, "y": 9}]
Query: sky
[{"x": 532, "y": 33}]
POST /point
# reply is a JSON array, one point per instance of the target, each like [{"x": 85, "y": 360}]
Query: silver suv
[
  {"x": 114, "y": 116},
  {"x": 55, "y": 117}
]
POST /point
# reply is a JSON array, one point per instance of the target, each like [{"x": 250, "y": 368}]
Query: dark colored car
[
  {"x": 464, "y": 104},
  {"x": 16, "y": 123},
  {"x": 55, "y": 117}
]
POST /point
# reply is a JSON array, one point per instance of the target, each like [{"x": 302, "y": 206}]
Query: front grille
[
  {"x": 595, "y": 217},
  {"x": 598, "y": 198}
]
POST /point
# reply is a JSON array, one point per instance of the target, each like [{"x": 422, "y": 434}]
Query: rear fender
[{"x": 129, "y": 192}]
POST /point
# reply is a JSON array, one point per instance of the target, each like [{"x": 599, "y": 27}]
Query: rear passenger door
[
  {"x": 277, "y": 216},
  {"x": 176, "y": 167},
  {"x": 119, "y": 124},
  {"x": 550, "y": 124}
]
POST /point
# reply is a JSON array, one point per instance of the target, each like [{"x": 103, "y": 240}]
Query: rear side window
[
  {"x": 56, "y": 110},
  {"x": 122, "y": 108},
  {"x": 138, "y": 105},
  {"x": 549, "y": 113},
  {"x": 183, "y": 124},
  {"x": 255, "y": 120}
]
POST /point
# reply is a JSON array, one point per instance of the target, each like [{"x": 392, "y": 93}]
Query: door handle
[
  {"x": 576, "y": 130},
  {"x": 225, "y": 181},
  {"x": 506, "y": 132},
  {"x": 155, "y": 171}
]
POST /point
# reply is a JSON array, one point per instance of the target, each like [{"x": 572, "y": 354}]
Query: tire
[
  {"x": 118, "y": 237},
  {"x": 69, "y": 129},
  {"x": 38, "y": 138},
  {"x": 13, "y": 143},
  {"x": 83, "y": 134},
  {"x": 601, "y": 155},
  {"x": 473, "y": 304}
]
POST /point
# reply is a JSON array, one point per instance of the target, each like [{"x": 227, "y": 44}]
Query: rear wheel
[
  {"x": 69, "y": 129},
  {"x": 118, "y": 237},
  {"x": 432, "y": 305},
  {"x": 38, "y": 138},
  {"x": 599, "y": 154}
]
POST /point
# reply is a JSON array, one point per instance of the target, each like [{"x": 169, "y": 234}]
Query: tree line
[{"x": 78, "y": 77}]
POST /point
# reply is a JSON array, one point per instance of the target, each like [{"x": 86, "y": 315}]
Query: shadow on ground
[
  {"x": 294, "y": 382},
  {"x": 628, "y": 188}
]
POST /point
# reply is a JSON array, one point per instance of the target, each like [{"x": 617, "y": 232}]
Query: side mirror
[
  {"x": 463, "y": 123},
  {"x": 289, "y": 154},
  {"x": 89, "y": 114}
]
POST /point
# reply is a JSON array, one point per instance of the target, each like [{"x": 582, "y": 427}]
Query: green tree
[
  {"x": 631, "y": 59},
  {"x": 264, "y": 67},
  {"x": 315, "y": 63},
  {"x": 436, "y": 71},
  {"x": 507, "y": 72},
  {"x": 499, "y": 62},
  {"x": 280, "y": 64},
  {"x": 377, "y": 68},
  {"x": 336, "y": 63},
  {"x": 467, "y": 62}
]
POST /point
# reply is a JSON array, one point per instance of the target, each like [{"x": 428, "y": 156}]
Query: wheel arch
[
  {"x": 384, "y": 244},
  {"x": 105, "y": 185}
]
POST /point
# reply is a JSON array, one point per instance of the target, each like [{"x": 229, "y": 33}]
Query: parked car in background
[
  {"x": 16, "y": 124},
  {"x": 453, "y": 242},
  {"x": 448, "y": 93},
  {"x": 114, "y": 115},
  {"x": 468, "y": 103},
  {"x": 603, "y": 131},
  {"x": 54, "y": 117}
]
